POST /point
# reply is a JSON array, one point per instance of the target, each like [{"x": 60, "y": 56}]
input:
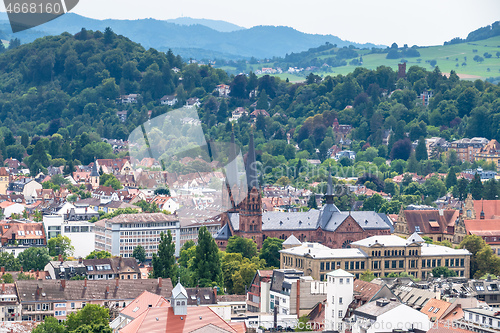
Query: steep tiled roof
[
  {"x": 491, "y": 208},
  {"x": 142, "y": 303},
  {"x": 483, "y": 228},
  {"x": 366, "y": 290},
  {"x": 435, "y": 308},
  {"x": 431, "y": 221}
]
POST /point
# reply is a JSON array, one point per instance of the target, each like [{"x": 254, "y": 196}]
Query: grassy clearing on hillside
[{"x": 446, "y": 56}]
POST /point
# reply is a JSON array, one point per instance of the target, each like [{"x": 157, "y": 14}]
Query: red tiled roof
[
  {"x": 162, "y": 319},
  {"x": 491, "y": 208},
  {"x": 366, "y": 289},
  {"x": 142, "y": 303},
  {"x": 435, "y": 308},
  {"x": 431, "y": 221},
  {"x": 487, "y": 227}
]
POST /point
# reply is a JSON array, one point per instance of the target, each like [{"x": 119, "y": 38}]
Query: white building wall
[
  {"x": 339, "y": 296},
  {"x": 402, "y": 317}
]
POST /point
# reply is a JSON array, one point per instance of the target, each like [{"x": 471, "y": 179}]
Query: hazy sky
[{"x": 421, "y": 22}]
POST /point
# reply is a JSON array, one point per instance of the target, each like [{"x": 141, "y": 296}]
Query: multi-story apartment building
[
  {"x": 10, "y": 309},
  {"x": 382, "y": 255},
  {"x": 58, "y": 298},
  {"x": 121, "y": 234},
  {"x": 467, "y": 148},
  {"x": 258, "y": 292},
  {"x": 490, "y": 153}
]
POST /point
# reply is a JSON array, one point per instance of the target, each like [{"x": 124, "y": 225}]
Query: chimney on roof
[
  {"x": 38, "y": 290},
  {"x": 107, "y": 289},
  {"x": 117, "y": 283},
  {"x": 3, "y": 288},
  {"x": 481, "y": 217},
  {"x": 37, "y": 273},
  {"x": 85, "y": 283},
  {"x": 80, "y": 260},
  {"x": 2, "y": 270},
  {"x": 21, "y": 269},
  {"x": 215, "y": 292},
  {"x": 63, "y": 284},
  {"x": 60, "y": 258},
  {"x": 160, "y": 284}
]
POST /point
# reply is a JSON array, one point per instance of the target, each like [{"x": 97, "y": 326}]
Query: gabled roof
[
  {"x": 142, "y": 303},
  {"x": 415, "y": 238},
  {"x": 435, "y": 308},
  {"x": 340, "y": 273},
  {"x": 179, "y": 290},
  {"x": 292, "y": 240},
  {"x": 487, "y": 227},
  {"x": 431, "y": 221},
  {"x": 224, "y": 233},
  {"x": 366, "y": 290},
  {"x": 162, "y": 319}
]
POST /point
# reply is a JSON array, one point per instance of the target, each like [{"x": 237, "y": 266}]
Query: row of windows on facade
[
  {"x": 141, "y": 240},
  {"x": 485, "y": 321},
  {"x": 131, "y": 248},
  {"x": 147, "y": 225},
  {"x": 360, "y": 265},
  {"x": 395, "y": 253}
]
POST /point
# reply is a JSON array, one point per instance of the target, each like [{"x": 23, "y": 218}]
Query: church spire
[
  {"x": 251, "y": 165},
  {"x": 329, "y": 189}
]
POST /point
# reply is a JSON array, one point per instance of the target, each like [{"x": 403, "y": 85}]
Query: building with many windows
[
  {"x": 382, "y": 255},
  {"x": 121, "y": 234}
]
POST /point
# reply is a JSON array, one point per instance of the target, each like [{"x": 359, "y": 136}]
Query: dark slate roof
[
  {"x": 224, "y": 233},
  {"x": 290, "y": 221},
  {"x": 52, "y": 290}
]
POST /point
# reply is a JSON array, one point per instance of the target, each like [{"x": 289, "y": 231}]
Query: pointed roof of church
[
  {"x": 224, "y": 233},
  {"x": 292, "y": 240},
  {"x": 94, "y": 172},
  {"x": 251, "y": 165},
  {"x": 329, "y": 208}
]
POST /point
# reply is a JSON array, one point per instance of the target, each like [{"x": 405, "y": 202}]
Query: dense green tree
[
  {"x": 245, "y": 246},
  {"x": 187, "y": 253},
  {"x": 367, "y": 276},
  {"x": 50, "y": 325},
  {"x": 8, "y": 278},
  {"x": 139, "y": 253},
  {"x": 443, "y": 271},
  {"x": 311, "y": 203},
  {"x": 60, "y": 245},
  {"x": 270, "y": 251},
  {"x": 90, "y": 314},
  {"x": 34, "y": 258},
  {"x": 451, "y": 178},
  {"x": 490, "y": 189},
  {"x": 9, "y": 261},
  {"x": 164, "y": 263},
  {"x": 421, "y": 150},
  {"x": 476, "y": 187},
  {"x": 98, "y": 255},
  {"x": 206, "y": 262}
]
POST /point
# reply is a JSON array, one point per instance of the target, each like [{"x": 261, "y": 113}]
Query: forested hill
[
  {"x": 68, "y": 85},
  {"x": 197, "y": 40}
]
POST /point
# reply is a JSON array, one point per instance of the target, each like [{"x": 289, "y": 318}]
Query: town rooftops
[
  {"x": 376, "y": 308},
  {"x": 142, "y": 303},
  {"x": 54, "y": 290}
]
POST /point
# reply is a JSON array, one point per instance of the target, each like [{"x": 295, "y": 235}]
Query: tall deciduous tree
[
  {"x": 270, "y": 251},
  {"x": 476, "y": 187},
  {"x": 245, "y": 246},
  {"x": 34, "y": 258},
  {"x": 139, "y": 253},
  {"x": 10, "y": 262},
  {"x": 91, "y": 314},
  {"x": 60, "y": 245},
  {"x": 164, "y": 264},
  {"x": 421, "y": 150},
  {"x": 206, "y": 262}
]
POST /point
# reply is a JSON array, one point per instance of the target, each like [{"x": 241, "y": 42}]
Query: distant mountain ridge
[
  {"x": 217, "y": 25},
  {"x": 259, "y": 42}
]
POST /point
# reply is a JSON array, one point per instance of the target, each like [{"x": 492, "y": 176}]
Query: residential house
[
  {"x": 467, "y": 148},
  {"x": 9, "y": 305},
  {"x": 238, "y": 113},
  {"x": 258, "y": 112},
  {"x": 127, "y": 99},
  {"x": 341, "y": 132},
  {"x": 105, "y": 194},
  {"x": 345, "y": 154},
  {"x": 8, "y": 208},
  {"x": 117, "y": 166},
  {"x": 65, "y": 270},
  {"x": 258, "y": 293},
  {"x": 383, "y": 315},
  {"x": 339, "y": 297},
  {"x": 170, "y": 100},
  {"x": 58, "y": 298},
  {"x": 4, "y": 180},
  {"x": 490, "y": 153},
  {"x": 166, "y": 203},
  {"x": 18, "y": 236},
  {"x": 192, "y": 102},
  {"x": 122, "y": 115},
  {"x": 223, "y": 89}
]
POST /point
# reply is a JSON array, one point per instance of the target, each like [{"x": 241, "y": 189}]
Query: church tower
[
  {"x": 251, "y": 207},
  {"x": 94, "y": 176}
]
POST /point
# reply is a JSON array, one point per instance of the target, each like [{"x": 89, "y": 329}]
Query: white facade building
[
  {"x": 81, "y": 233},
  {"x": 339, "y": 295}
]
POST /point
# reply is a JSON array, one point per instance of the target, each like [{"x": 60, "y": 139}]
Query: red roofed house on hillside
[
  {"x": 490, "y": 153},
  {"x": 4, "y": 180}
]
